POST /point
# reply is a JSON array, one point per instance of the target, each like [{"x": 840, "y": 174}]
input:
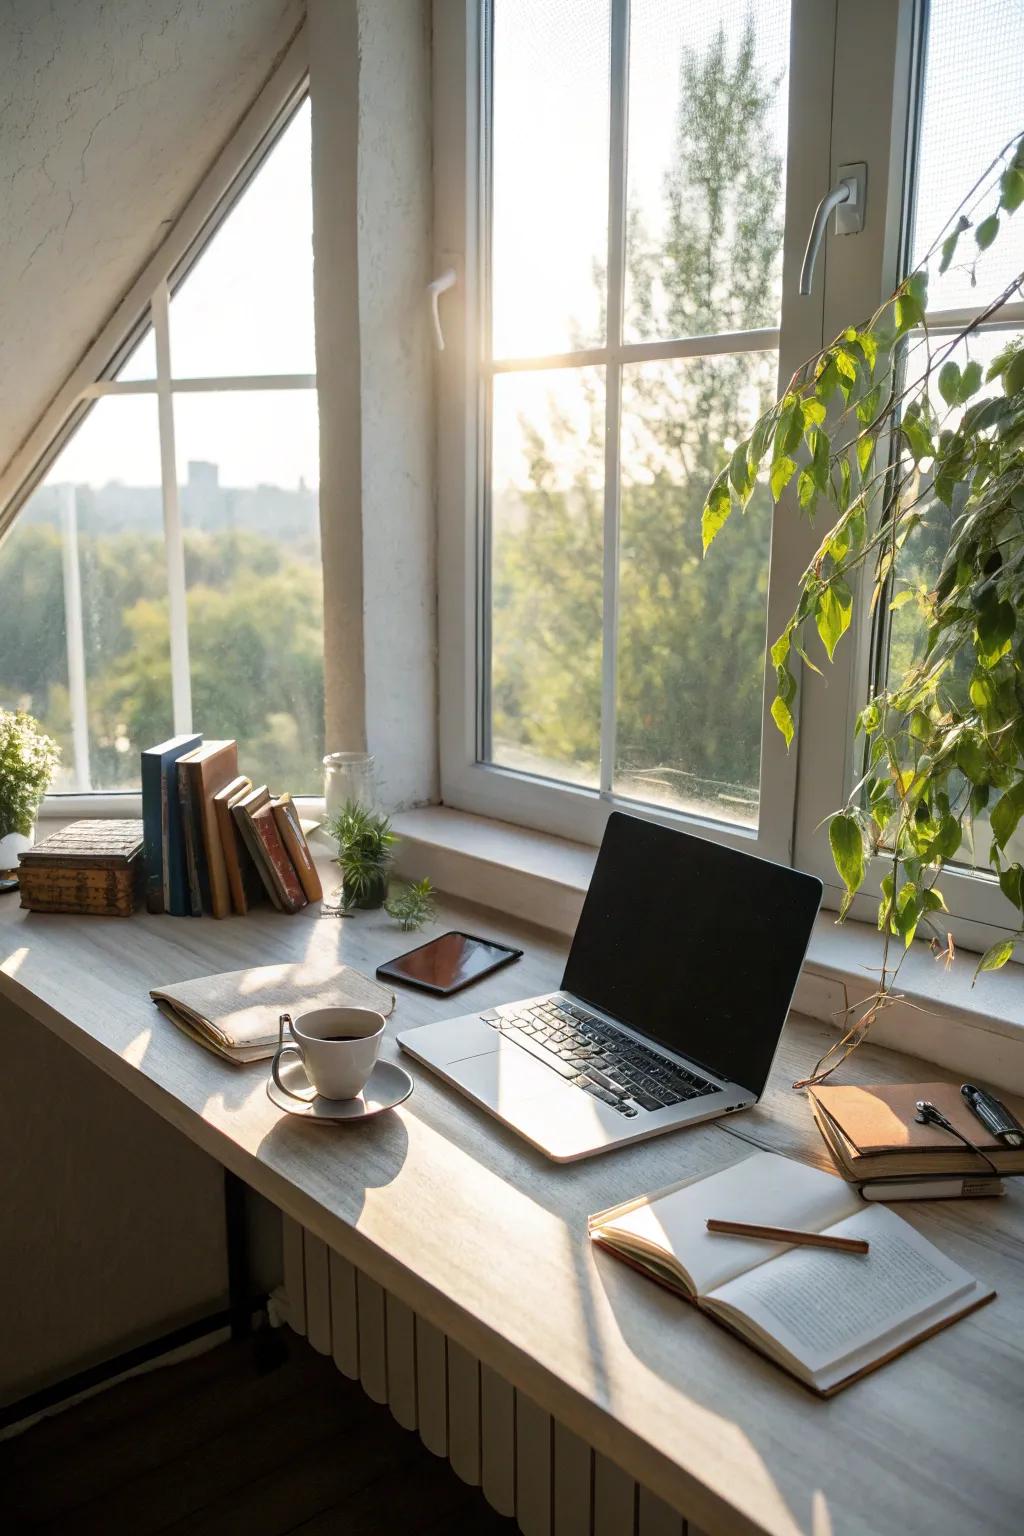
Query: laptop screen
[{"x": 694, "y": 945}]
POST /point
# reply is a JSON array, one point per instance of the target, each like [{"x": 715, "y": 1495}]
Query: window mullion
[
  {"x": 174, "y": 544},
  {"x": 617, "y": 140}
]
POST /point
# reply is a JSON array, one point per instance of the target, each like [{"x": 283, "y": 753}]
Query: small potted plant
[
  {"x": 28, "y": 758},
  {"x": 365, "y": 851}
]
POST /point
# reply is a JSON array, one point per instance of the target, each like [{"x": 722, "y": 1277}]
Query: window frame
[
  {"x": 467, "y": 781},
  {"x": 865, "y": 108},
  {"x": 148, "y": 303}
]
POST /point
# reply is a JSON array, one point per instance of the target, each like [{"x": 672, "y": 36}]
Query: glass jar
[{"x": 349, "y": 776}]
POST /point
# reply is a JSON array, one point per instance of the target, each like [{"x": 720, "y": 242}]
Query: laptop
[{"x": 678, "y": 982}]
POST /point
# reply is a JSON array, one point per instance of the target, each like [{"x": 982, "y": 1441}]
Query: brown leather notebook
[{"x": 873, "y": 1133}]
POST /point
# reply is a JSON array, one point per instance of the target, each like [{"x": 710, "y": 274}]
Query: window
[
  {"x": 634, "y": 339},
  {"x": 166, "y": 571},
  {"x": 638, "y": 181}
]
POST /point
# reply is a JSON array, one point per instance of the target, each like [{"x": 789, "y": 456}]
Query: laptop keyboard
[{"x": 594, "y": 1056}]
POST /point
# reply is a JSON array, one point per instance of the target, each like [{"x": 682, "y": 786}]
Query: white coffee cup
[{"x": 337, "y": 1068}]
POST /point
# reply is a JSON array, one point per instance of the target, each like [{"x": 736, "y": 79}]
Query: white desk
[{"x": 484, "y": 1241}]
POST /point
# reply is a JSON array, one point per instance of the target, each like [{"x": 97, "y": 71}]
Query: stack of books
[
  {"x": 878, "y": 1143},
  {"x": 214, "y": 842}
]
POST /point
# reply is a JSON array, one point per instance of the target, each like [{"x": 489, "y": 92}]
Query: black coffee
[{"x": 332, "y": 1039}]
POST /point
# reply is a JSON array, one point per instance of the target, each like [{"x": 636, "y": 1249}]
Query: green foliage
[
  {"x": 28, "y": 759},
  {"x": 412, "y": 906},
  {"x": 255, "y": 639},
  {"x": 916, "y": 463},
  {"x": 365, "y": 850}
]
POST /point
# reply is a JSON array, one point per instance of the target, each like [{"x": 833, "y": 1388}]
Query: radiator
[{"x": 527, "y": 1465}]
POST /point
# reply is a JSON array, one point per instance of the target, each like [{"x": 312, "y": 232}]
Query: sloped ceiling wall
[{"x": 110, "y": 113}]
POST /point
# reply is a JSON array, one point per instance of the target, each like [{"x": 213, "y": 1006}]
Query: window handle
[
  {"x": 848, "y": 196},
  {"x": 435, "y": 289}
]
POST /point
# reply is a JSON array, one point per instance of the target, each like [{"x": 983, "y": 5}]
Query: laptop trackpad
[{"x": 505, "y": 1077}]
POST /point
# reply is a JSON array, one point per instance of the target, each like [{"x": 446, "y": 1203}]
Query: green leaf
[
  {"x": 982, "y": 691},
  {"x": 847, "y": 844},
  {"x": 909, "y": 906},
  {"x": 820, "y": 459},
  {"x": 950, "y": 243},
  {"x": 949, "y": 382},
  {"x": 865, "y": 452},
  {"x": 996, "y": 956},
  {"x": 970, "y": 383},
  {"x": 716, "y": 512},
  {"x": 782, "y": 472},
  {"x": 1006, "y": 813},
  {"x": 946, "y": 842},
  {"x": 987, "y": 231},
  {"x": 813, "y": 413},
  {"x": 917, "y": 286},
  {"x": 1011, "y": 883},
  {"x": 805, "y": 488},
  {"x": 783, "y": 719},
  {"x": 1013, "y": 376},
  {"x": 740, "y": 476},
  {"x": 846, "y": 364},
  {"x": 995, "y": 627},
  {"x": 972, "y": 761},
  {"x": 780, "y": 650},
  {"x": 833, "y": 614},
  {"x": 917, "y": 438},
  {"x": 867, "y": 405},
  {"x": 908, "y": 313},
  {"x": 1012, "y": 189}
]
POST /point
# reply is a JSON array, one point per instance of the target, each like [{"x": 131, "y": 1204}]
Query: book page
[
  {"x": 825, "y": 1307},
  {"x": 765, "y": 1188}
]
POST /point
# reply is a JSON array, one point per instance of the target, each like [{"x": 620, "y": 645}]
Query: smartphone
[{"x": 448, "y": 964}]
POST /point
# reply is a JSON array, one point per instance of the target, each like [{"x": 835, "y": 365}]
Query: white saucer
[{"x": 388, "y": 1085}]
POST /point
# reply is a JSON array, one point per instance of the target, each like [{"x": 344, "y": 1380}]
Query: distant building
[{"x": 270, "y": 511}]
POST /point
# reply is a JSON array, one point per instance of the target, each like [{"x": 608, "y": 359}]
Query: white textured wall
[
  {"x": 110, "y": 113},
  {"x": 376, "y": 422}
]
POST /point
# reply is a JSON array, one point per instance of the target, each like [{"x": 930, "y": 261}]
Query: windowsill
[{"x": 941, "y": 1016}]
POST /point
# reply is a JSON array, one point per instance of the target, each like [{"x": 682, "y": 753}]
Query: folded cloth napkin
[{"x": 236, "y": 1013}]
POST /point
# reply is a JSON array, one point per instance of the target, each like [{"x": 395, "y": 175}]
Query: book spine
[
  {"x": 194, "y": 774},
  {"x": 261, "y": 862},
  {"x": 235, "y": 855},
  {"x": 195, "y": 901},
  {"x": 294, "y": 839},
  {"x": 932, "y": 1188},
  {"x": 152, "y": 831},
  {"x": 289, "y": 887},
  {"x": 179, "y": 904}
]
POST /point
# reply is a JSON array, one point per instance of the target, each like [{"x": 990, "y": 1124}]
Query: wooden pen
[{"x": 787, "y": 1235}]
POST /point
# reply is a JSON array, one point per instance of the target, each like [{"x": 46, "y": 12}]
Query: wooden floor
[{"x": 212, "y": 1447}]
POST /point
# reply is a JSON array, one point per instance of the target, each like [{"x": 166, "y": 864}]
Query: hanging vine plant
[{"x": 892, "y": 433}]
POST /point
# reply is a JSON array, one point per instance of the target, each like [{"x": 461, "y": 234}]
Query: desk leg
[{"x": 239, "y": 1280}]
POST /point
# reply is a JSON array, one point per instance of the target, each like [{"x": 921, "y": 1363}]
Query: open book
[{"x": 827, "y": 1317}]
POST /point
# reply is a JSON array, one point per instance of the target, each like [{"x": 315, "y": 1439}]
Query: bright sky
[{"x": 246, "y": 307}]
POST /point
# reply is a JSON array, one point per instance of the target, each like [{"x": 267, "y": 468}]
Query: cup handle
[{"x": 282, "y": 1049}]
